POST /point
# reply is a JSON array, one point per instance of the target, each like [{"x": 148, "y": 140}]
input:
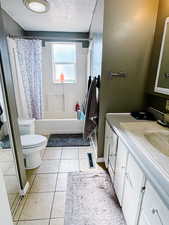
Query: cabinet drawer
[
  {"x": 153, "y": 209},
  {"x": 134, "y": 182}
]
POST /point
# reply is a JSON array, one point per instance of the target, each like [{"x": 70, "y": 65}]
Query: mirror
[{"x": 162, "y": 78}]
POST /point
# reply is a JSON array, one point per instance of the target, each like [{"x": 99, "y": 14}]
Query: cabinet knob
[{"x": 154, "y": 211}]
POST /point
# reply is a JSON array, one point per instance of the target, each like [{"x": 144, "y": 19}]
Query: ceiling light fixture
[{"x": 37, "y": 6}]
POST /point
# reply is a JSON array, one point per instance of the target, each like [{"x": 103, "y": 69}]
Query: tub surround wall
[
  {"x": 61, "y": 126},
  {"x": 59, "y": 100}
]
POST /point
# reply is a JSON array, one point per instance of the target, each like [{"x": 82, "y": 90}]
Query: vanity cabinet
[
  {"x": 121, "y": 162},
  {"x": 153, "y": 210},
  {"x": 133, "y": 191},
  {"x": 140, "y": 202},
  {"x": 110, "y": 149}
]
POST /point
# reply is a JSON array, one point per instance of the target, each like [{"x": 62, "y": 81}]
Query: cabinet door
[
  {"x": 154, "y": 211},
  {"x": 134, "y": 183},
  {"x": 121, "y": 161},
  {"x": 113, "y": 139},
  {"x": 106, "y": 144}
]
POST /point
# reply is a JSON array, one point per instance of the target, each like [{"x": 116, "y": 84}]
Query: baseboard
[{"x": 100, "y": 160}]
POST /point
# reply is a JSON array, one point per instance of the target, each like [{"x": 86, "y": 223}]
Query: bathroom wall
[
  {"x": 6, "y": 79},
  {"x": 10, "y": 26},
  {"x": 155, "y": 99},
  {"x": 96, "y": 34},
  {"x": 127, "y": 41}
]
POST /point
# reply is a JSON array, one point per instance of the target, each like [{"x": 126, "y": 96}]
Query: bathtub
[{"x": 58, "y": 126}]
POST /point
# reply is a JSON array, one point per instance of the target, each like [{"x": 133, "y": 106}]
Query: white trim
[
  {"x": 158, "y": 89},
  {"x": 24, "y": 191},
  {"x": 161, "y": 90},
  {"x": 100, "y": 160}
]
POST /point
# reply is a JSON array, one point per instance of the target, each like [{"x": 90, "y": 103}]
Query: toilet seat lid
[{"x": 30, "y": 141}]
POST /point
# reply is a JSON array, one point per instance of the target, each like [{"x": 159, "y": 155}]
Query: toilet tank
[{"x": 27, "y": 126}]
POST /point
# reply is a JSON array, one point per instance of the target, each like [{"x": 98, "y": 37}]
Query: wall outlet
[{"x": 167, "y": 106}]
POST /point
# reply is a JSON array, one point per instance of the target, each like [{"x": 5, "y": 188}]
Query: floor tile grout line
[
  {"x": 32, "y": 182},
  {"x": 25, "y": 203},
  {"x": 55, "y": 189},
  {"x": 26, "y": 197},
  {"x": 58, "y": 173},
  {"x": 43, "y": 192},
  {"x": 40, "y": 219},
  {"x": 12, "y": 206}
]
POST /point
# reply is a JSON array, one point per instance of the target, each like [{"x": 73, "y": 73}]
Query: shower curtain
[
  {"x": 29, "y": 76},
  {"x": 17, "y": 81}
]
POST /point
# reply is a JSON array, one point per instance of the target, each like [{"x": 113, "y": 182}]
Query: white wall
[{"x": 59, "y": 99}]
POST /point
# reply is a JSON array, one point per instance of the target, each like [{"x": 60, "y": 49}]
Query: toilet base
[
  {"x": 32, "y": 156},
  {"x": 32, "y": 161}
]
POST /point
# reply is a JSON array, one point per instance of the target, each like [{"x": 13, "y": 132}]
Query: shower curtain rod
[{"x": 49, "y": 38}]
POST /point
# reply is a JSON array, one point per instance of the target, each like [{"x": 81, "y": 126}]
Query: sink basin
[{"x": 160, "y": 140}]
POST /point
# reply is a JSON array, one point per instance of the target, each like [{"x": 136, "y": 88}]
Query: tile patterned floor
[
  {"x": 7, "y": 166},
  {"x": 45, "y": 201}
]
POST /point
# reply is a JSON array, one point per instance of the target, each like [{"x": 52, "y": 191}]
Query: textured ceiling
[{"x": 64, "y": 15}]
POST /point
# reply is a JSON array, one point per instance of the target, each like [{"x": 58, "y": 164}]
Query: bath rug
[
  {"x": 91, "y": 200},
  {"x": 67, "y": 140}
]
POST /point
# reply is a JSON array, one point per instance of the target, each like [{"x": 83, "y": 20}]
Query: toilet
[{"x": 32, "y": 146}]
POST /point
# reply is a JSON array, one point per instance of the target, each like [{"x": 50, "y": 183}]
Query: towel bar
[{"x": 119, "y": 74}]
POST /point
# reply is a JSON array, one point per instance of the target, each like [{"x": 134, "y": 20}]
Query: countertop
[{"x": 154, "y": 164}]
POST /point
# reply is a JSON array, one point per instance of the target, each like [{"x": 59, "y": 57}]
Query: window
[{"x": 64, "y": 62}]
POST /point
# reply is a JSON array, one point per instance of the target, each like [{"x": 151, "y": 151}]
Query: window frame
[{"x": 64, "y": 63}]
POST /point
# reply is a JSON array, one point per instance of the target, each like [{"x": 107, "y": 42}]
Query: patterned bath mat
[
  {"x": 67, "y": 140},
  {"x": 91, "y": 200}
]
